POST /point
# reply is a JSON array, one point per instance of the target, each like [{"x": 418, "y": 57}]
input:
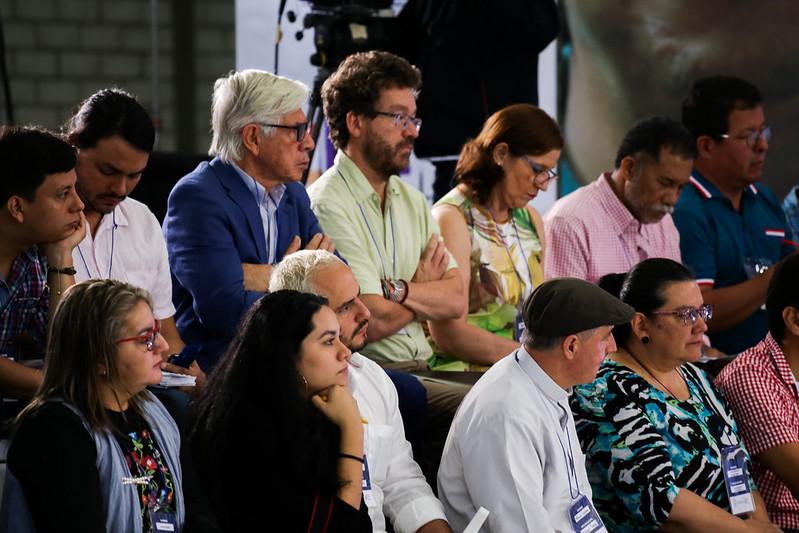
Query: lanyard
[
  {"x": 507, "y": 250},
  {"x": 372, "y": 235},
  {"x": 111, "y": 259},
  {"x": 568, "y": 457}
]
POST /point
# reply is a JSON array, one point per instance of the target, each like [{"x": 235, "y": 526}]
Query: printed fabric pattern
[
  {"x": 505, "y": 266},
  {"x": 642, "y": 446}
]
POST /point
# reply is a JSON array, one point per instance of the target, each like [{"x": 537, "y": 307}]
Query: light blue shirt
[{"x": 267, "y": 201}]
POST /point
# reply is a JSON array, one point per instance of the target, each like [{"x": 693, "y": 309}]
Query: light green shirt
[{"x": 377, "y": 244}]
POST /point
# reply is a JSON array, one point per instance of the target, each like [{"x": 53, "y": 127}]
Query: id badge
[
  {"x": 518, "y": 327},
  {"x": 584, "y": 517},
  {"x": 163, "y": 520},
  {"x": 736, "y": 480},
  {"x": 366, "y": 485}
]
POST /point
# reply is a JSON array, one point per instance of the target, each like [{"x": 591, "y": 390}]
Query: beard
[
  {"x": 384, "y": 158},
  {"x": 350, "y": 341}
]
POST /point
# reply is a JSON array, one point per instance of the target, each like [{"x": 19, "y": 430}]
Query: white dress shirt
[
  {"x": 398, "y": 485},
  {"x": 504, "y": 453},
  {"x": 128, "y": 246}
]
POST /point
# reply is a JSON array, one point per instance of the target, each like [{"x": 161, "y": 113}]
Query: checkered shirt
[
  {"x": 28, "y": 304},
  {"x": 590, "y": 233},
  {"x": 761, "y": 391}
]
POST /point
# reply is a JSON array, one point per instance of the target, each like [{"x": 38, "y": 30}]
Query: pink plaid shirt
[
  {"x": 590, "y": 233},
  {"x": 761, "y": 391}
]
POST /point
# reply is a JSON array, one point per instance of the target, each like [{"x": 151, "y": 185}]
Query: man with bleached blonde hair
[{"x": 229, "y": 221}]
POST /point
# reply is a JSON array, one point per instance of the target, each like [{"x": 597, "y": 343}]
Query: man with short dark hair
[
  {"x": 114, "y": 137},
  {"x": 384, "y": 226},
  {"x": 623, "y": 217},
  {"x": 40, "y": 223},
  {"x": 732, "y": 227},
  {"x": 760, "y": 386},
  {"x": 513, "y": 447}
]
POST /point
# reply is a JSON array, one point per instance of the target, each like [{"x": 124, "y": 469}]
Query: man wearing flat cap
[{"x": 512, "y": 447}]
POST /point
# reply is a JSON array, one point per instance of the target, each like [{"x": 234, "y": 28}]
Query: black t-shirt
[{"x": 53, "y": 457}]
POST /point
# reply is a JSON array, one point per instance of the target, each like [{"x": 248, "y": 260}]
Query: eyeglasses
[
  {"x": 690, "y": 315},
  {"x": 751, "y": 138},
  {"x": 148, "y": 338},
  {"x": 541, "y": 174},
  {"x": 301, "y": 129},
  {"x": 401, "y": 120}
]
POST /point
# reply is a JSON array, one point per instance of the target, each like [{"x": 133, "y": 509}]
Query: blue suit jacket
[{"x": 212, "y": 226}]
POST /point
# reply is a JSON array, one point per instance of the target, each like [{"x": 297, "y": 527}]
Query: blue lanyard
[
  {"x": 111, "y": 259},
  {"x": 372, "y": 235},
  {"x": 510, "y": 257}
]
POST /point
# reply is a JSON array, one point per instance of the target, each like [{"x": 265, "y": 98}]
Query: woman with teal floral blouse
[{"x": 652, "y": 425}]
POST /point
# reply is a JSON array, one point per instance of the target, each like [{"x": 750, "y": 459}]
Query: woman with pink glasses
[{"x": 95, "y": 451}]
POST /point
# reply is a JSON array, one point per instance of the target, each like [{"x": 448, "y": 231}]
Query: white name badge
[
  {"x": 584, "y": 517},
  {"x": 736, "y": 480},
  {"x": 366, "y": 485}
]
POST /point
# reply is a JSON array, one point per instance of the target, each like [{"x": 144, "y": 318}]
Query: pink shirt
[
  {"x": 760, "y": 389},
  {"x": 590, "y": 233}
]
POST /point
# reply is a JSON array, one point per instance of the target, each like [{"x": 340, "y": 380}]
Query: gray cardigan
[{"x": 120, "y": 501}]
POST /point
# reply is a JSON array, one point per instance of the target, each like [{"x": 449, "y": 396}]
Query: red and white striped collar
[{"x": 707, "y": 194}]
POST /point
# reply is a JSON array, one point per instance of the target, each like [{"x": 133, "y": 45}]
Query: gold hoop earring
[{"x": 304, "y": 382}]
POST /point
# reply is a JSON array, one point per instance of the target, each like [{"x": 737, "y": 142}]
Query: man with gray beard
[{"x": 623, "y": 217}]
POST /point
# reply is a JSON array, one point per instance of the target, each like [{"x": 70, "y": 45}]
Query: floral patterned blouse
[{"x": 505, "y": 266}]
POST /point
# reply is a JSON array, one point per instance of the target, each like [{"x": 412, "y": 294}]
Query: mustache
[{"x": 663, "y": 208}]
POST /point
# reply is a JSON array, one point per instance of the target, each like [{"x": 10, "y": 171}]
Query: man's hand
[
  {"x": 320, "y": 242},
  {"x": 433, "y": 263},
  {"x": 59, "y": 253},
  {"x": 256, "y": 276}
]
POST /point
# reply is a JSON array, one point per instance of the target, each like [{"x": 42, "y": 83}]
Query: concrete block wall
[{"x": 60, "y": 51}]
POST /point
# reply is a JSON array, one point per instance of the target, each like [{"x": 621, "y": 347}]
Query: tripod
[{"x": 316, "y": 116}]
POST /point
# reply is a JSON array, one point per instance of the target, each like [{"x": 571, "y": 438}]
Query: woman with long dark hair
[
  {"x": 95, "y": 451},
  {"x": 277, "y": 437}
]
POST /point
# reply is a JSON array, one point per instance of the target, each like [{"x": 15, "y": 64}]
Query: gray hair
[
  {"x": 543, "y": 343},
  {"x": 250, "y": 96},
  {"x": 298, "y": 271}
]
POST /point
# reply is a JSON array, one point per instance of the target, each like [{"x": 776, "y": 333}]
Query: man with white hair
[
  {"x": 623, "y": 217},
  {"x": 229, "y": 221},
  {"x": 399, "y": 489}
]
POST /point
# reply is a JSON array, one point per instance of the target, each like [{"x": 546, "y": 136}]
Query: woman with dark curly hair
[
  {"x": 277, "y": 436},
  {"x": 496, "y": 237}
]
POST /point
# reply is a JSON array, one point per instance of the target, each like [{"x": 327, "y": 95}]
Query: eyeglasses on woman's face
[
  {"x": 148, "y": 338},
  {"x": 689, "y": 315},
  {"x": 541, "y": 174}
]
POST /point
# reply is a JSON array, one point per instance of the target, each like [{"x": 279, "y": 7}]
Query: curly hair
[
  {"x": 526, "y": 129},
  {"x": 357, "y": 84}
]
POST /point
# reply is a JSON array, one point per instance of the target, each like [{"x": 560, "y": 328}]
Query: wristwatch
[{"x": 395, "y": 290}]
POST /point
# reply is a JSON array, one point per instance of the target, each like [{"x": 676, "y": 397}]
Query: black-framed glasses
[
  {"x": 148, "y": 338},
  {"x": 401, "y": 120},
  {"x": 541, "y": 174},
  {"x": 301, "y": 129},
  {"x": 752, "y": 138},
  {"x": 689, "y": 315}
]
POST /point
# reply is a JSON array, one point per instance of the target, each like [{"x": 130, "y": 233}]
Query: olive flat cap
[{"x": 564, "y": 306}]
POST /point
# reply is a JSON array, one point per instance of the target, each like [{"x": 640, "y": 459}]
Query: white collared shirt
[
  {"x": 398, "y": 485},
  {"x": 504, "y": 453},
  {"x": 128, "y": 246}
]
